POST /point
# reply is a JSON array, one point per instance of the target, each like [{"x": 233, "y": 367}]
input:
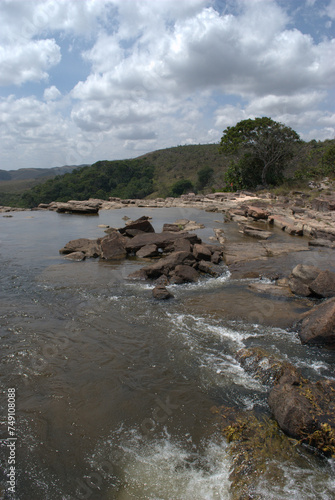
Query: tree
[
  {"x": 205, "y": 174},
  {"x": 262, "y": 146},
  {"x": 180, "y": 187}
]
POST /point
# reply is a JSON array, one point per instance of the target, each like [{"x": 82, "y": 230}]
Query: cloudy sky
[{"x": 86, "y": 80}]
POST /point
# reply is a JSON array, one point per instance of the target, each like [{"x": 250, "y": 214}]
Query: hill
[{"x": 161, "y": 173}]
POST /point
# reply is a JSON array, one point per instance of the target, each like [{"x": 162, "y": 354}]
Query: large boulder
[
  {"x": 324, "y": 285},
  {"x": 113, "y": 247},
  {"x": 90, "y": 248},
  {"x": 318, "y": 325},
  {"x": 300, "y": 279},
  {"x": 257, "y": 212},
  {"x": 147, "y": 251},
  {"x": 305, "y": 410},
  {"x": 209, "y": 268},
  {"x": 77, "y": 207}
]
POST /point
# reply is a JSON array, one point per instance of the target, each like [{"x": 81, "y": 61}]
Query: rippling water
[{"x": 114, "y": 389}]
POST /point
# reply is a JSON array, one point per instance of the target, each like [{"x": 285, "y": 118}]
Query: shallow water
[{"x": 114, "y": 390}]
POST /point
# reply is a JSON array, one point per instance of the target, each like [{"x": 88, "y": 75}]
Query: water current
[{"x": 114, "y": 390}]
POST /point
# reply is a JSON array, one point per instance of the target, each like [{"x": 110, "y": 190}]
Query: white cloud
[
  {"x": 51, "y": 93},
  {"x": 27, "y": 62},
  {"x": 159, "y": 73}
]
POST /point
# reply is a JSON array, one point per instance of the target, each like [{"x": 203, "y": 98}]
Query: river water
[{"x": 114, "y": 390}]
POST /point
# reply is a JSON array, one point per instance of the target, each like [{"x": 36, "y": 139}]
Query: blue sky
[{"x": 86, "y": 80}]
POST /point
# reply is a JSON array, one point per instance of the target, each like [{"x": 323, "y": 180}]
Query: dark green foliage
[
  {"x": 181, "y": 187},
  {"x": 205, "y": 175},
  {"x": 318, "y": 160},
  {"x": 262, "y": 147},
  {"x": 124, "y": 179}
]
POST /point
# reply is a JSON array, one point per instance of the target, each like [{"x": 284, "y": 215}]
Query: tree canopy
[{"x": 263, "y": 147}]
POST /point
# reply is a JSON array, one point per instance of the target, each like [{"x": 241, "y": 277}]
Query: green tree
[
  {"x": 263, "y": 148},
  {"x": 180, "y": 187},
  {"x": 205, "y": 174}
]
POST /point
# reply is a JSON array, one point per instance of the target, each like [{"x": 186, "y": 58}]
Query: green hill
[{"x": 161, "y": 173}]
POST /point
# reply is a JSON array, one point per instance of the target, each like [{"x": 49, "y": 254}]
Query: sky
[{"x": 89, "y": 80}]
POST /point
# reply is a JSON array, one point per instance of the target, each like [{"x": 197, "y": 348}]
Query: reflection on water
[{"x": 114, "y": 390}]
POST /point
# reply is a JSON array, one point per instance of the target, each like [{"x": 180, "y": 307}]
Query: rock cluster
[{"x": 178, "y": 256}]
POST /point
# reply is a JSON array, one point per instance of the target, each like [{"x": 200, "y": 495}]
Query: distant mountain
[{"x": 36, "y": 173}]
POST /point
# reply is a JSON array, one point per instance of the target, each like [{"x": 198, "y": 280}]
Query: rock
[
  {"x": 91, "y": 248},
  {"x": 181, "y": 245},
  {"x": 209, "y": 268},
  {"x": 270, "y": 289},
  {"x": 305, "y": 410},
  {"x": 161, "y": 240},
  {"x": 259, "y": 363},
  {"x": 147, "y": 251},
  {"x": 132, "y": 229},
  {"x": 168, "y": 264},
  {"x": 78, "y": 256},
  {"x": 77, "y": 207},
  {"x": 323, "y": 204},
  {"x": 257, "y": 213},
  {"x": 174, "y": 228},
  {"x": 324, "y": 285},
  {"x": 185, "y": 274},
  {"x": 318, "y": 325},
  {"x": 256, "y": 232},
  {"x": 161, "y": 293},
  {"x": 300, "y": 279},
  {"x": 321, "y": 243},
  {"x": 201, "y": 252},
  {"x": 113, "y": 247},
  {"x": 216, "y": 257}
]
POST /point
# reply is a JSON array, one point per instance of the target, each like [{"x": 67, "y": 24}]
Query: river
[{"x": 114, "y": 390}]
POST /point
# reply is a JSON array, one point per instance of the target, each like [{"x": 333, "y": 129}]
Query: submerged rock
[
  {"x": 91, "y": 248},
  {"x": 161, "y": 293}
]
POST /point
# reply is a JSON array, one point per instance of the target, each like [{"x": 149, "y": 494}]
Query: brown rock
[
  {"x": 91, "y": 248},
  {"x": 209, "y": 268},
  {"x": 78, "y": 256},
  {"x": 318, "y": 325},
  {"x": 201, "y": 252},
  {"x": 174, "y": 228},
  {"x": 181, "y": 245},
  {"x": 257, "y": 213},
  {"x": 256, "y": 232},
  {"x": 161, "y": 293},
  {"x": 305, "y": 410},
  {"x": 216, "y": 257},
  {"x": 323, "y": 204},
  {"x": 161, "y": 240},
  {"x": 168, "y": 264},
  {"x": 324, "y": 285},
  {"x": 147, "y": 251},
  {"x": 300, "y": 279},
  {"x": 113, "y": 247},
  {"x": 141, "y": 224},
  {"x": 185, "y": 274}
]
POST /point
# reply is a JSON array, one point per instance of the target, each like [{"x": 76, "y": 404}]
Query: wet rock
[
  {"x": 270, "y": 289},
  {"x": 147, "y": 251},
  {"x": 305, "y": 410},
  {"x": 181, "y": 245},
  {"x": 260, "y": 364},
  {"x": 324, "y": 285},
  {"x": 78, "y": 256},
  {"x": 318, "y": 325},
  {"x": 209, "y": 268},
  {"x": 113, "y": 247},
  {"x": 91, "y": 248},
  {"x": 161, "y": 293},
  {"x": 185, "y": 274},
  {"x": 216, "y": 257},
  {"x": 201, "y": 252}
]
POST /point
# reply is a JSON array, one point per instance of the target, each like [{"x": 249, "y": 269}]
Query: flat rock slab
[
  {"x": 161, "y": 240},
  {"x": 240, "y": 252}
]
